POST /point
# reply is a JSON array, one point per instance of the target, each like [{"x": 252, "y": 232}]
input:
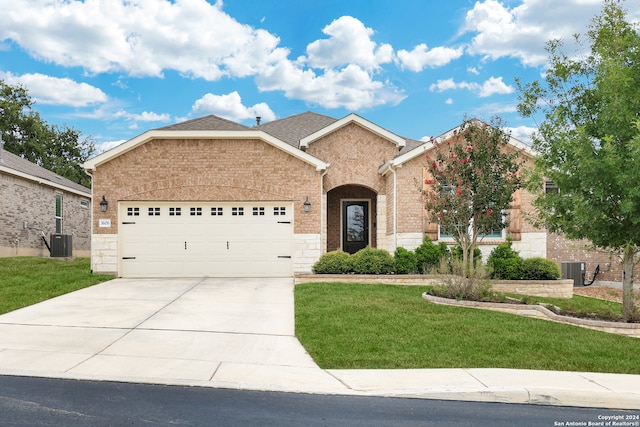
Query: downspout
[
  {"x": 395, "y": 207},
  {"x": 91, "y": 220},
  {"x": 323, "y": 245}
]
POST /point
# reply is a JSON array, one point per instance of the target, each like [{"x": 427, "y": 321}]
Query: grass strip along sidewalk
[
  {"x": 365, "y": 326},
  {"x": 28, "y": 280}
]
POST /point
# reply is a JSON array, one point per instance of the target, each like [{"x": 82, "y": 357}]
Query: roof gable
[
  {"x": 428, "y": 145},
  {"x": 352, "y": 118},
  {"x": 164, "y": 133}
]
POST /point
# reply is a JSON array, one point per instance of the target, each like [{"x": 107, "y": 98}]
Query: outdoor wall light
[
  {"x": 103, "y": 204},
  {"x": 307, "y": 205}
]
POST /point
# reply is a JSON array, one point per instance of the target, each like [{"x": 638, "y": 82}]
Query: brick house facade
[
  {"x": 343, "y": 184},
  {"x": 36, "y": 202}
]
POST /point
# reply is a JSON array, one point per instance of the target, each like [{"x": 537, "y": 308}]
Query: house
[
  {"x": 36, "y": 203},
  {"x": 210, "y": 197}
]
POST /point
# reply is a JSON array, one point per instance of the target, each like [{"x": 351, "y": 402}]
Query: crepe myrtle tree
[
  {"x": 469, "y": 184},
  {"x": 588, "y": 144}
]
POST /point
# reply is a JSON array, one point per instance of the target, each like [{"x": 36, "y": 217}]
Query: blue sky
[{"x": 114, "y": 68}]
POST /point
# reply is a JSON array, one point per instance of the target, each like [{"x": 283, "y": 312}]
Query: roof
[
  {"x": 210, "y": 122},
  {"x": 294, "y": 128},
  {"x": 16, "y": 165}
]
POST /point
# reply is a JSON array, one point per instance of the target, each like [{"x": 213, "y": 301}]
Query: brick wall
[
  {"x": 223, "y": 170},
  {"x": 561, "y": 249},
  {"x": 28, "y": 201}
]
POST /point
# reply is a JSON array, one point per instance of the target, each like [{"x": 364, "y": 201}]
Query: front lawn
[
  {"x": 360, "y": 326},
  {"x": 28, "y": 280}
]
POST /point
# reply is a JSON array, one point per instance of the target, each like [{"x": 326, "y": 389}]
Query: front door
[{"x": 355, "y": 225}]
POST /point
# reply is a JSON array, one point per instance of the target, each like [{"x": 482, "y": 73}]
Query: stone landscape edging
[
  {"x": 540, "y": 312},
  {"x": 562, "y": 288}
]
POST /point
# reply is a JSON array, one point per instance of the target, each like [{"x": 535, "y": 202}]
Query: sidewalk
[{"x": 239, "y": 334}]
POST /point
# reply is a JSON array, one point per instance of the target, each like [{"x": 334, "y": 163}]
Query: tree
[
  {"x": 59, "y": 149},
  {"x": 589, "y": 141},
  {"x": 472, "y": 178}
]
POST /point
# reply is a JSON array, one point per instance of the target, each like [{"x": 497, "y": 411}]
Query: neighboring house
[
  {"x": 35, "y": 202},
  {"x": 210, "y": 197}
]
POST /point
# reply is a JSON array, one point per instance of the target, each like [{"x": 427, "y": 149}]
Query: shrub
[
  {"x": 372, "y": 261},
  {"x": 429, "y": 255},
  {"x": 504, "y": 262},
  {"x": 336, "y": 262},
  {"x": 405, "y": 261},
  {"x": 458, "y": 286},
  {"x": 540, "y": 269},
  {"x": 456, "y": 253}
]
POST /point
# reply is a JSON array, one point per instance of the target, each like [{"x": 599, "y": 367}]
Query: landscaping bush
[
  {"x": 336, "y": 262},
  {"x": 456, "y": 253},
  {"x": 540, "y": 269},
  {"x": 429, "y": 255},
  {"x": 405, "y": 261},
  {"x": 372, "y": 261},
  {"x": 504, "y": 262}
]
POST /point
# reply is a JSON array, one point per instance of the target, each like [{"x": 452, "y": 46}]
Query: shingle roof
[
  {"x": 293, "y": 128},
  {"x": 17, "y": 163},
  {"x": 289, "y": 129},
  {"x": 206, "y": 123}
]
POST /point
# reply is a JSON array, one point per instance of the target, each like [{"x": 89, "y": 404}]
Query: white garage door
[{"x": 191, "y": 239}]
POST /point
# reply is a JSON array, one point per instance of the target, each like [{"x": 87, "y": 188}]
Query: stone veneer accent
[
  {"x": 307, "y": 249},
  {"x": 104, "y": 248}
]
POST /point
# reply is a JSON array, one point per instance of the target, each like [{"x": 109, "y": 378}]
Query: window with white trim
[{"x": 58, "y": 213}]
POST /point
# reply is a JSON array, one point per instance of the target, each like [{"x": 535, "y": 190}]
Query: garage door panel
[{"x": 206, "y": 239}]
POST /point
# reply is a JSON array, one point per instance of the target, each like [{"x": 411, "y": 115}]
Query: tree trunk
[{"x": 628, "y": 307}]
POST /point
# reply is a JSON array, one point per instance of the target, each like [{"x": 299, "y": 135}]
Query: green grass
[
  {"x": 358, "y": 326},
  {"x": 27, "y": 280}
]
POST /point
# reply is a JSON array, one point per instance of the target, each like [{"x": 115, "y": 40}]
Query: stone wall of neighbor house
[{"x": 28, "y": 210}]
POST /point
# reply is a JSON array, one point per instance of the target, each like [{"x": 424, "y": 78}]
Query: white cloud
[
  {"x": 108, "y": 145},
  {"x": 56, "y": 91},
  {"x": 421, "y": 57},
  {"x": 351, "y": 87},
  {"x": 141, "y": 38},
  {"x": 522, "y": 31},
  {"x": 349, "y": 42},
  {"x": 495, "y": 85},
  {"x": 230, "y": 107},
  {"x": 473, "y": 70},
  {"x": 523, "y": 133},
  {"x": 492, "y": 86},
  {"x": 449, "y": 101},
  {"x": 146, "y": 116}
]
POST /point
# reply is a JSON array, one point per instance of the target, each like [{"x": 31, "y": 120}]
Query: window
[
  {"x": 281, "y": 210},
  {"x": 133, "y": 211},
  {"x": 258, "y": 211},
  {"x": 196, "y": 211},
  {"x": 175, "y": 211},
  {"x": 84, "y": 203},
  {"x": 550, "y": 187},
  {"x": 154, "y": 211},
  {"x": 58, "y": 213},
  {"x": 216, "y": 211},
  {"x": 237, "y": 211}
]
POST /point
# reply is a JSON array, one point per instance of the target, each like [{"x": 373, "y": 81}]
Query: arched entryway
[{"x": 351, "y": 218}]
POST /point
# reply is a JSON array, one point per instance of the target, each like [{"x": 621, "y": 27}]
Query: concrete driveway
[{"x": 236, "y": 333}]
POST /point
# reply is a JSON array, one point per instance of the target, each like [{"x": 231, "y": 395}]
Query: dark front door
[{"x": 355, "y": 226}]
